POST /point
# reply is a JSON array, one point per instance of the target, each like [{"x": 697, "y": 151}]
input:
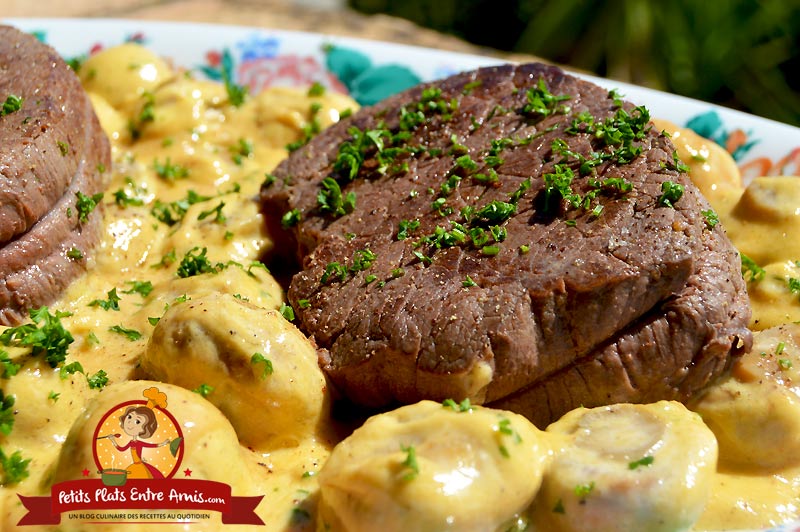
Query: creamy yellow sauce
[{"x": 254, "y": 430}]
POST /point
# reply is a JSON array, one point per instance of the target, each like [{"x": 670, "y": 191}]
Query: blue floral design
[{"x": 259, "y": 47}]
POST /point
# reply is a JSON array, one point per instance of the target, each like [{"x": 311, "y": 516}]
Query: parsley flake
[
  {"x": 750, "y": 270},
  {"x": 463, "y": 406},
  {"x": 287, "y": 312},
  {"x": 143, "y": 288},
  {"x": 86, "y": 204},
  {"x": 15, "y": 468},
  {"x": 130, "y": 334},
  {"x": 12, "y": 104},
  {"x": 6, "y": 413},
  {"x": 410, "y": 463},
  {"x": 644, "y": 461},
  {"x": 204, "y": 389},
  {"x": 670, "y": 194},
  {"x": 112, "y": 303},
  {"x": 259, "y": 358},
  {"x": 45, "y": 336}
]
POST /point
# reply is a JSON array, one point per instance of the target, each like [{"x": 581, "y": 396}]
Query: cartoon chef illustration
[{"x": 139, "y": 422}]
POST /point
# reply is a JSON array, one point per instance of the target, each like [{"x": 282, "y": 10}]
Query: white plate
[{"x": 264, "y": 57}]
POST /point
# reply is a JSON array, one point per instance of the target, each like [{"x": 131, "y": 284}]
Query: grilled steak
[
  {"x": 514, "y": 235},
  {"x": 51, "y": 148}
]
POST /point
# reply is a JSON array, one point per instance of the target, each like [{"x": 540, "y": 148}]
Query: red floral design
[
  {"x": 213, "y": 58},
  {"x": 286, "y": 70}
]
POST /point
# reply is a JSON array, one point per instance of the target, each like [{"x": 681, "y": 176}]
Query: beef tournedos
[
  {"x": 514, "y": 235},
  {"x": 51, "y": 149}
]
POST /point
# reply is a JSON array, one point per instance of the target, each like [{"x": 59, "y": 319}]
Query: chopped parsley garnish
[
  {"x": 794, "y": 285},
  {"x": 670, "y": 194},
  {"x": 269, "y": 180},
  {"x": 15, "y": 468},
  {"x": 204, "y": 389},
  {"x": 468, "y": 282},
  {"x": 405, "y": 227},
  {"x": 489, "y": 178},
  {"x": 504, "y": 428},
  {"x": 7, "y": 367},
  {"x": 316, "y": 89},
  {"x": 330, "y": 198},
  {"x": 53, "y": 396},
  {"x": 750, "y": 270},
  {"x": 111, "y": 303},
  {"x": 410, "y": 463},
  {"x": 711, "y": 218},
  {"x": 287, "y": 312},
  {"x": 309, "y": 129},
  {"x": 166, "y": 260},
  {"x": 615, "y": 97},
  {"x": 463, "y": 406},
  {"x": 290, "y": 218},
  {"x": 86, "y": 204},
  {"x": 259, "y": 358},
  {"x": 170, "y": 171},
  {"x": 219, "y": 217},
  {"x": 645, "y": 461},
  {"x": 74, "y": 254},
  {"x": 558, "y": 187},
  {"x": 677, "y": 164},
  {"x": 146, "y": 114},
  {"x": 46, "y": 336},
  {"x": 143, "y": 288},
  {"x": 70, "y": 369},
  {"x": 352, "y": 153},
  {"x": 583, "y": 490},
  {"x": 194, "y": 263},
  {"x": 542, "y": 102},
  {"x": 6, "y": 413},
  {"x": 469, "y": 87},
  {"x": 466, "y": 162},
  {"x": 332, "y": 271},
  {"x": 243, "y": 148},
  {"x": 130, "y": 334},
  {"x": 122, "y": 199},
  {"x": 12, "y": 104},
  {"x": 362, "y": 260},
  {"x": 98, "y": 380},
  {"x": 63, "y": 147},
  {"x": 495, "y": 212}
]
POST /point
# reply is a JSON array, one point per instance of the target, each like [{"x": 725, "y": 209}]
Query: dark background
[{"x": 743, "y": 54}]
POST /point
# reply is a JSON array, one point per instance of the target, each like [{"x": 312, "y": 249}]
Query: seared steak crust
[
  {"x": 571, "y": 278},
  {"x": 50, "y": 149}
]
